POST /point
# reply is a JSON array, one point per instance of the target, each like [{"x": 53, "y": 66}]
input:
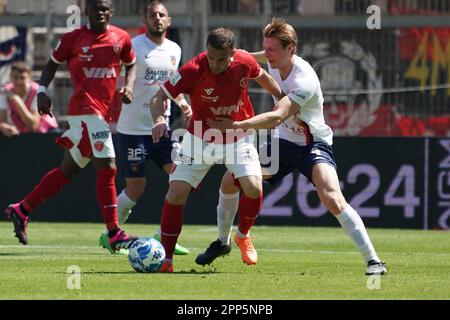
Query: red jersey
[
  {"x": 215, "y": 95},
  {"x": 93, "y": 60}
]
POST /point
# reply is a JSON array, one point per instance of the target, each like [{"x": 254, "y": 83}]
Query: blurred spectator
[{"x": 18, "y": 105}]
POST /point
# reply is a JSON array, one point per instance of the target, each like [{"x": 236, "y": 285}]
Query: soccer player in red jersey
[
  {"x": 93, "y": 54},
  {"x": 217, "y": 84}
]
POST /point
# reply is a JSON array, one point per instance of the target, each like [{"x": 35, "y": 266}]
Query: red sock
[
  {"x": 107, "y": 198},
  {"x": 50, "y": 184},
  {"x": 171, "y": 225},
  {"x": 248, "y": 212}
]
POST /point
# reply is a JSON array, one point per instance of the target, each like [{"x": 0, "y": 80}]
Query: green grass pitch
[{"x": 294, "y": 263}]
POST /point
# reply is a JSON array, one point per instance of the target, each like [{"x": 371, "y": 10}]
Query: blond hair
[{"x": 279, "y": 28}]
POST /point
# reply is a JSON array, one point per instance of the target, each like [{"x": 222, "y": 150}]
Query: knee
[
  {"x": 333, "y": 200},
  {"x": 253, "y": 190},
  {"x": 227, "y": 185},
  {"x": 135, "y": 191}
]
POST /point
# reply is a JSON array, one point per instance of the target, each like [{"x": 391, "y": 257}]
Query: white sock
[
  {"x": 354, "y": 227},
  {"x": 226, "y": 212},
  {"x": 124, "y": 206}
]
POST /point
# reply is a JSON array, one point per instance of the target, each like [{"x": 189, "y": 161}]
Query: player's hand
[
  {"x": 221, "y": 123},
  {"x": 187, "y": 111},
  {"x": 159, "y": 130},
  {"x": 127, "y": 95},
  {"x": 7, "y": 93},
  {"x": 44, "y": 104},
  {"x": 10, "y": 131}
]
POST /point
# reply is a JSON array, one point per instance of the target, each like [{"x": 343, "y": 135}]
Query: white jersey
[
  {"x": 303, "y": 87},
  {"x": 155, "y": 64}
]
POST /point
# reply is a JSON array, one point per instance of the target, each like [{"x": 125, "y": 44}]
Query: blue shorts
[
  {"x": 136, "y": 150},
  {"x": 302, "y": 158}
]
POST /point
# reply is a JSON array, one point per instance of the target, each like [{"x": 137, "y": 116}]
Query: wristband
[{"x": 42, "y": 89}]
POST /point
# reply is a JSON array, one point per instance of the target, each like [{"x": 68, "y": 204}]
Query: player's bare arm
[
  {"x": 267, "y": 82},
  {"x": 285, "y": 108},
  {"x": 43, "y": 101},
  {"x": 130, "y": 79},
  {"x": 157, "y": 107},
  {"x": 185, "y": 107},
  {"x": 259, "y": 56}
]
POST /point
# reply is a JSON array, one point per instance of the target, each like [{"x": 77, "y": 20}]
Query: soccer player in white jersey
[
  {"x": 304, "y": 142},
  {"x": 157, "y": 59}
]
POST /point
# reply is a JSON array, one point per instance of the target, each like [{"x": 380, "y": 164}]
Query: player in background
[
  {"x": 93, "y": 54},
  {"x": 157, "y": 59},
  {"x": 217, "y": 83},
  {"x": 304, "y": 141}
]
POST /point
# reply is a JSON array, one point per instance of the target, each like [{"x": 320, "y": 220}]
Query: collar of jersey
[{"x": 88, "y": 26}]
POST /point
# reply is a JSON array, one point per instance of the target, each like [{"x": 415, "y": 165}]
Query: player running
[
  {"x": 93, "y": 54},
  {"x": 217, "y": 83},
  {"x": 304, "y": 143},
  {"x": 157, "y": 59}
]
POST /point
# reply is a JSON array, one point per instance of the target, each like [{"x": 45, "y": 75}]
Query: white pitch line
[{"x": 201, "y": 249}]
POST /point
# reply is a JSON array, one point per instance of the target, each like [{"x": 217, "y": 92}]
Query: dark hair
[
  {"x": 151, "y": 3},
  {"x": 21, "y": 67},
  {"x": 221, "y": 38},
  {"x": 93, "y": 2}
]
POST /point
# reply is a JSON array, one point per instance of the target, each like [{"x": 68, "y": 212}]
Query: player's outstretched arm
[
  {"x": 157, "y": 107},
  {"x": 259, "y": 56},
  {"x": 283, "y": 110},
  {"x": 43, "y": 101},
  {"x": 267, "y": 82}
]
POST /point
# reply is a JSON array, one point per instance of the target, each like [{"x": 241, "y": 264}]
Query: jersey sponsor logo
[
  {"x": 99, "y": 145},
  {"x": 101, "y": 135},
  {"x": 227, "y": 110},
  {"x": 83, "y": 55},
  {"x": 154, "y": 76},
  {"x": 175, "y": 78},
  {"x": 85, "y": 49},
  {"x": 99, "y": 73},
  {"x": 209, "y": 91}
]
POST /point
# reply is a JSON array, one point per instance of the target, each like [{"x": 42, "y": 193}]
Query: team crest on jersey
[
  {"x": 99, "y": 145},
  {"x": 117, "y": 49},
  {"x": 173, "y": 59},
  {"x": 243, "y": 82}
]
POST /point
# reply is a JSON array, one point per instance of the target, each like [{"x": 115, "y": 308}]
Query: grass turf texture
[{"x": 294, "y": 263}]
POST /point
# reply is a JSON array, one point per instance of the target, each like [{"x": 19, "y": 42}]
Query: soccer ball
[{"x": 146, "y": 255}]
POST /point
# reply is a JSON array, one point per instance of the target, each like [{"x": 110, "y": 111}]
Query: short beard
[{"x": 156, "y": 33}]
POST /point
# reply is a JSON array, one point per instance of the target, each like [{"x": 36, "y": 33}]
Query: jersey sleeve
[
  {"x": 254, "y": 67},
  {"x": 303, "y": 91},
  {"x": 127, "y": 55},
  {"x": 62, "y": 50},
  {"x": 182, "y": 81}
]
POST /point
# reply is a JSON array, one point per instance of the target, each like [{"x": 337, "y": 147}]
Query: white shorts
[
  {"x": 196, "y": 157},
  {"x": 88, "y": 136}
]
